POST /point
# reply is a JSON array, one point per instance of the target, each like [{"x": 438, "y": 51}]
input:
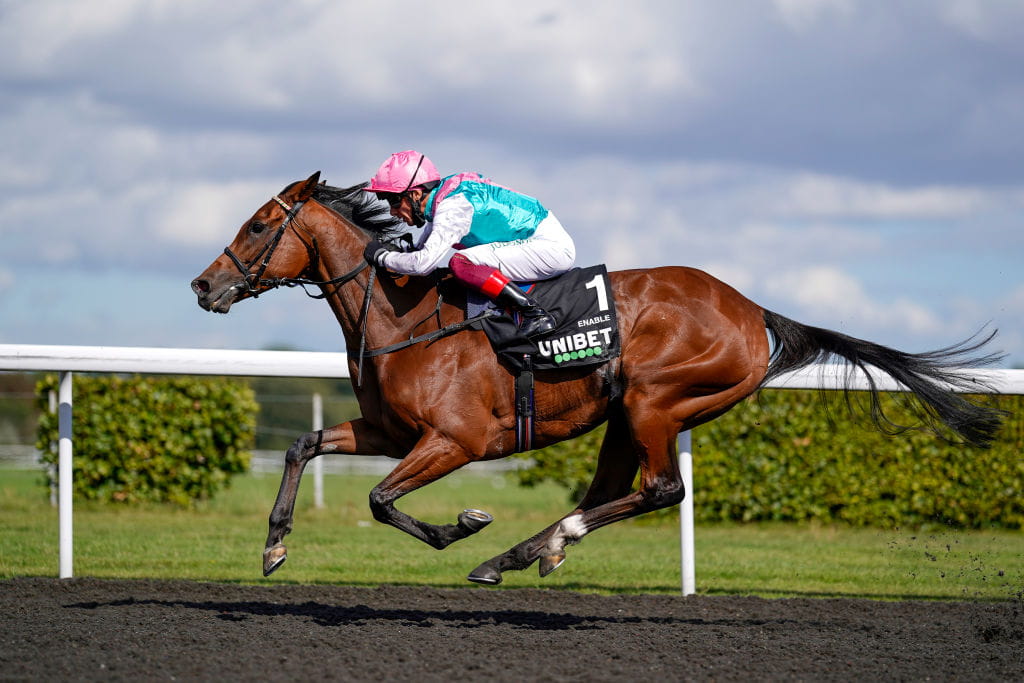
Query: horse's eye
[{"x": 257, "y": 228}]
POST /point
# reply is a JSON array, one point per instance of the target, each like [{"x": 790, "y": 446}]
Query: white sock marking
[{"x": 573, "y": 528}]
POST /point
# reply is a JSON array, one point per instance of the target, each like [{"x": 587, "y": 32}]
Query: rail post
[
  {"x": 318, "y": 462},
  {"x": 64, "y": 475},
  {"x": 686, "y": 535}
]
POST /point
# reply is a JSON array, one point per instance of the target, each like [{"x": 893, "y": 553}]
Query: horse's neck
[{"x": 395, "y": 305}]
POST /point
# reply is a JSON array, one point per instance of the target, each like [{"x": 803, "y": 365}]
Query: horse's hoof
[
  {"x": 274, "y": 557},
  {"x": 474, "y": 520},
  {"x": 486, "y": 575},
  {"x": 550, "y": 563}
]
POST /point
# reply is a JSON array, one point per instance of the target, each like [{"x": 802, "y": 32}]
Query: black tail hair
[{"x": 931, "y": 377}]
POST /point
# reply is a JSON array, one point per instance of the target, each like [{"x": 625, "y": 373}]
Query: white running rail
[{"x": 70, "y": 359}]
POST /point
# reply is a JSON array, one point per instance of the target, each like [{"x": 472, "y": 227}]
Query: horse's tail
[{"x": 933, "y": 377}]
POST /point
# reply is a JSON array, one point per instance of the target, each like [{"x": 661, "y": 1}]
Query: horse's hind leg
[
  {"x": 661, "y": 486},
  {"x": 654, "y": 426},
  {"x": 616, "y": 468},
  {"x": 652, "y": 432}
]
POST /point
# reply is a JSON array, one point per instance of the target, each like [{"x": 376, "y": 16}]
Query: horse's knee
[{"x": 304, "y": 448}]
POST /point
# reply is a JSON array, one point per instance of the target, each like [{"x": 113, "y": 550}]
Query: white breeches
[{"x": 550, "y": 251}]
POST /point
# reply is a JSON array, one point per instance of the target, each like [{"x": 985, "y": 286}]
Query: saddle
[
  {"x": 587, "y": 333},
  {"x": 581, "y": 302}
]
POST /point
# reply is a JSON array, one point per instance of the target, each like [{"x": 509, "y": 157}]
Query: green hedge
[
  {"x": 167, "y": 439},
  {"x": 783, "y": 456}
]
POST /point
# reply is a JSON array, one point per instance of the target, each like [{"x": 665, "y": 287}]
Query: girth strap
[{"x": 525, "y": 408}]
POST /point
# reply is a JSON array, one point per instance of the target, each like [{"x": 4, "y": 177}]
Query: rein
[{"x": 427, "y": 337}]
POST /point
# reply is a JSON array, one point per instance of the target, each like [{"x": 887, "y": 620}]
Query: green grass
[{"x": 222, "y": 540}]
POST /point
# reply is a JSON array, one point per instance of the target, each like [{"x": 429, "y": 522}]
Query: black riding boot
[{"x": 536, "y": 321}]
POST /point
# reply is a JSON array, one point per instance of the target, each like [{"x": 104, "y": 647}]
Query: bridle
[{"x": 255, "y": 283}]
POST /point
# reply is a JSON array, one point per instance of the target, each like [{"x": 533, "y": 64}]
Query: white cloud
[
  {"x": 828, "y": 293},
  {"x": 72, "y": 141},
  {"x": 736, "y": 276},
  {"x": 774, "y": 242},
  {"x": 208, "y": 214},
  {"x": 802, "y": 15},
  {"x": 997, "y": 22},
  {"x": 316, "y": 56},
  {"x": 619, "y": 252},
  {"x": 14, "y": 174},
  {"x": 56, "y": 30},
  {"x": 6, "y": 279},
  {"x": 819, "y": 195}
]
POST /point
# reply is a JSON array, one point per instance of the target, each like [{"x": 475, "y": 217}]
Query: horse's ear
[{"x": 307, "y": 188}]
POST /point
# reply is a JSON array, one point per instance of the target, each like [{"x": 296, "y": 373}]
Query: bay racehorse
[{"x": 691, "y": 348}]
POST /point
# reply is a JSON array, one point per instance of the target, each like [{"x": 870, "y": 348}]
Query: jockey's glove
[{"x": 374, "y": 253}]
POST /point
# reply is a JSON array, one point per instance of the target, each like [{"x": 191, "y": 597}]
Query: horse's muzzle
[{"x": 215, "y": 300}]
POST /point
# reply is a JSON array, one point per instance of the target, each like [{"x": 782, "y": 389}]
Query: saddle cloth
[{"x": 583, "y": 306}]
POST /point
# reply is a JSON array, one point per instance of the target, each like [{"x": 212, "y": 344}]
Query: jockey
[{"x": 499, "y": 236}]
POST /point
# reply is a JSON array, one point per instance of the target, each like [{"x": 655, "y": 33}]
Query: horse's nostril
[{"x": 200, "y": 286}]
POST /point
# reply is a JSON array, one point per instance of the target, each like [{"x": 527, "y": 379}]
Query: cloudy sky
[{"x": 852, "y": 164}]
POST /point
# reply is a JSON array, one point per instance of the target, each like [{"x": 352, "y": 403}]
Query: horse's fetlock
[
  {"x": 666, "y": 494},
  {"x": 280, "y": 527},
  {"x": 440, "y": 541},
  {"x": 380, "y": 505}
]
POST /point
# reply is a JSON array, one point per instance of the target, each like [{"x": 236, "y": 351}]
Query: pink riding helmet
[{"x": 402, "y": 171}]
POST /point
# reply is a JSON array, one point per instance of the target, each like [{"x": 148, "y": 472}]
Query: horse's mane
[{"x": 362, "y": 208}]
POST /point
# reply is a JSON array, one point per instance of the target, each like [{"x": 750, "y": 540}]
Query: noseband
[{"x": 254, "y": 281}]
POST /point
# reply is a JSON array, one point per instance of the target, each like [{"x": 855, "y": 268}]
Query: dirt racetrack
[{"x": 91, "y": 629}]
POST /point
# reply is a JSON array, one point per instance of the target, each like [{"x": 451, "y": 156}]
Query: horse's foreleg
[
  {"x": 432, "y": 458},
  {"x": 356, "y": 437}
]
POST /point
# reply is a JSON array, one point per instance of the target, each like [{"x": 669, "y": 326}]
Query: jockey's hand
[{"x": 374, "y": 253}]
